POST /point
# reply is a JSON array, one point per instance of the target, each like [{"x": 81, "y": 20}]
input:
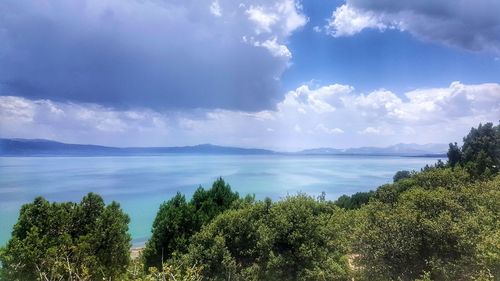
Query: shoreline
[{"x": 135, "y": 252}]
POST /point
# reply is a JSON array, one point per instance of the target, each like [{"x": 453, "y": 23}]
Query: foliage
[
  {"x": 167, "y": 272},
  {"x": 173, "y": 226},
  {"x": 298, "y": 238},
  {"x": 430, "y": 178},
  {"x": 439, "y": 224},
  {"x": 54, "y": 241},
  {"x": 454, "y": 155},
  {"x": 354, "y": 201},
  {"x": 445, "y": 231},
  {"x": 438, "y": 165},
  {"x": 401, "y": 175},
  {"x": 480, "y": 153},
  {"x": 481, "y": 150},
  {"x": 177, "y": 220}
]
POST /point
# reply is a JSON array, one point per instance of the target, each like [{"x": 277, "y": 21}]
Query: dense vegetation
[
  {"x": 441, "y": 223},
  {"x": 68, "y": 241},
  {"x": 177, "y": 220}
]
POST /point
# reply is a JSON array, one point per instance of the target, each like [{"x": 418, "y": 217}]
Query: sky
[{"x": 278, "y": 74}]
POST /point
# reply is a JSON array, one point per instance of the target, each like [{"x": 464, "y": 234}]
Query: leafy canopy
[
  {"x": 54, "y": 241},
  {"x": 177, "y": 220}
]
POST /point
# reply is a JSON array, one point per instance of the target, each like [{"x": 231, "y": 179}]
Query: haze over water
[{"x": 141, "y": 184}]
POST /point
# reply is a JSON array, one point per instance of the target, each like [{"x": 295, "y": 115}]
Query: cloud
[
  {"x": 157, "y": 54},
  {"x": 322, "y": 99},
  {"x": 322, "y": 128},
  {"x": 309, "y": 116},
  {"x": 375, "y": 131},
  {"x": 276, "y": 49},
  {"x": 425, "y": 106},
  {"x": 281, "y": 14},
  {"x": 469, "y": 24},
  {"x": 263, "y": 20},
  {"x": 24, "y": 118},
  {"x": 215, "y": 9},
  {"x": 346, "y": 21}
]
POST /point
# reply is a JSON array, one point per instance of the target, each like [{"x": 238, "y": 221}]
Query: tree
[
  {"x": 298, "y": 238},
  {"x": 177, "y": 220},
  {"x": 454, "y": 155},
  {"x": 401, "y": 175},
  {"x": 86, "y": 241},
  {"x": 441, "y": 231},
  {"x": 430, "y": 178},
  {"x": 111, "y": 242},
  {"x": 481, "y": 150},
  {"x": 174, "y": 224},
  {"x": 210, "y": 203},
  {"x": 354, "y": 201}
]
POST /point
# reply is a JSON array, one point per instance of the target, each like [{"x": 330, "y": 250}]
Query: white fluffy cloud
[
  {"x": 469, "y": 24},
  {"x": 322, "y": 99},
  {"x": 346, "y": 21},
  {"x": 322, "y": 128},
  {"x": 23, "y": 118},
  {"x": 333, "y": 115},
  {"x": 272, "y": 45},
  {"x": 283, "y": 15},
  {"x": 215, "y": 9}
]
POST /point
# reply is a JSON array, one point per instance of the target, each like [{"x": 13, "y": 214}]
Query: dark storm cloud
[
  {"x": 469, "y": 24},
  {"x": 157, "y": 54}
]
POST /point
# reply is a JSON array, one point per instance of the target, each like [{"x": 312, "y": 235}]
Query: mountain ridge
[
  {"x": 396, "y": 149},
  {"x": 43, "y": 147}
]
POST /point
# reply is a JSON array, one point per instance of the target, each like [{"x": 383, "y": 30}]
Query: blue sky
[
  {"x": 392, "y": 59},
  {"x": 279, "y": 74}
]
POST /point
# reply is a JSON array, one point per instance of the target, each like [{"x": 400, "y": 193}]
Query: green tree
[
  {"x": 174, "y": 224},
  {"x": 210, "y": 203},
  {"x": 430, "y": 178},
  {"x": 354, "y": 201},
  {"x": 67, "y": 241},
  {"x": 441, "y": 231},
  {"x": 177, "y": 220},
  {"x": 401, "y": 175},
  {"x": 298, "y": 238},
  {"x": 111, "y": 242},
  {"x": 481, "y": 150},
  {"x": 454, "y": 155}
]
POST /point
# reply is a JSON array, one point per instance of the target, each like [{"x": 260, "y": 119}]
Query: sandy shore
[{"x": 135, "y": 252}]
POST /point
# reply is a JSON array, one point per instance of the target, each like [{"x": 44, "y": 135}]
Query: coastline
[{"x": 135, "y": 252}]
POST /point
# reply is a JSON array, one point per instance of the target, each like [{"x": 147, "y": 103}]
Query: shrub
[{"x": 54, "y": 241}]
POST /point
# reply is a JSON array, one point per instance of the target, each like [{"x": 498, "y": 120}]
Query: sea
[{"x": 141, "y": 183}]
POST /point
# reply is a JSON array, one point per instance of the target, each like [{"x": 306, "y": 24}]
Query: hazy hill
[
  {"x": 37, "y": 147},
  {"x": 397, "y": 149},
  {"x": 40, "y": 147}
]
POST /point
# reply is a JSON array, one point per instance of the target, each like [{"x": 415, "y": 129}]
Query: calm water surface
[{"x": 141, "y": 184}]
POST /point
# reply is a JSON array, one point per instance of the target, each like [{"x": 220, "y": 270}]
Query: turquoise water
[{"x": 140, "y": 184}]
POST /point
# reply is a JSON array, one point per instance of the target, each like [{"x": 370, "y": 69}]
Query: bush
[
  {"x": 298, "y": 238},
  {"x": 354, "y": 201},
  {"x": 401, "y": 175},
  {"x": 442, "y": 231},
  {"x": 480, "y": 153},
  {"x": 177, "y": 220},
  {"x": 53, "y": 241}
]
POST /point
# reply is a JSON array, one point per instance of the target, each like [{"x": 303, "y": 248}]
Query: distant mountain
[
  {"x": 401, "y": 149},
  {"x": 30, "y": 147},
  {"x": 322, "y": 150},
  {"x": 39, "y": 147},
  {"x": 201, "y": 148}
]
